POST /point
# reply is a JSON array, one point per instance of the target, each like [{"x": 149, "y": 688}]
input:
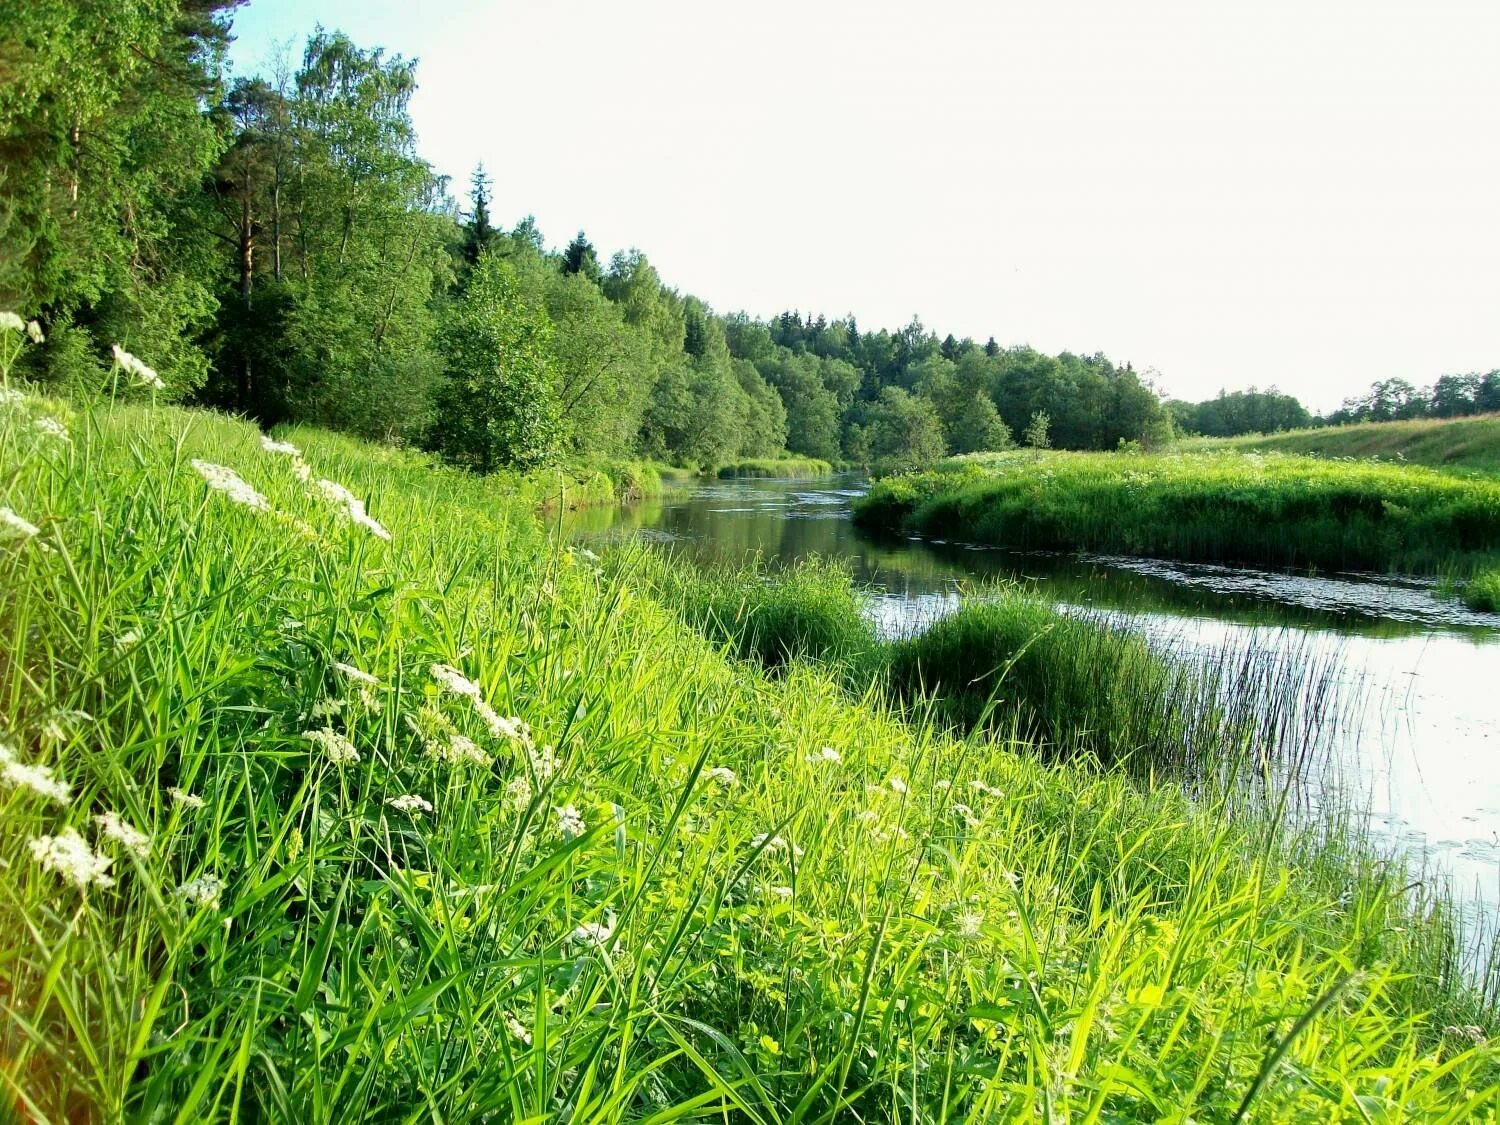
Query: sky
[{"x": 1304, "y": 194}]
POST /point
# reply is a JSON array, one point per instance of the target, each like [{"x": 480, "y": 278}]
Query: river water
[{"x": 1416, "y": 740}]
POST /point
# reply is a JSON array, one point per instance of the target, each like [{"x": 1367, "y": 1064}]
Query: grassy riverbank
[
  {"x": 336, "y": 806},
  {"x": 1069, "y": 685},
  {"x": 1272, "y": 510},
  {"x": 1463, "y": 444},
  {"x": 783, "y": 468}
]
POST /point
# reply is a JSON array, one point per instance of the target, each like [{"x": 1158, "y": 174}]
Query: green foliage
[
  {"x": 1276, "y": 510},
  {"x": 783, "y": 468},
  {"x": 735, "y": 921},
  {"x": 1483, "y": 591},
  {"x": 1037, "y": 435},
  {"x": 498, "y": 405},
  {"x": 903, "y": 433}
]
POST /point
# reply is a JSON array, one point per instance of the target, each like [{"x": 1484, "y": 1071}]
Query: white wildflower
[
  {"x": 224, "y": 479},
  {"x": 543, "y": 762},
  {"x": 69, "y": 855},
  {"x": 271, "y": 445},
  {"x": 124, "y": 833},
  {"x": 185, "y": 799},
  {"x": 301, "y": 469},
  {"x": 517, "y": 1029},
  {"x": 50, "y": 428},
  {"x": 897, "y": 785},
  {"x": 39, "y": 779},
  {"x": 723, "y": 775},
  {"x": 966, "y": 814},
  {"x": 518, "y": 793},
  {"x": 354, "y": 507},
  {"x": 410, "y": 803},
  {"x": 203, "y": 891},
  {"x": 458, "y": 749},
  {"x": 451, "y": 680},
  {"x": 943, "y": 784},
  {"x": 594, "y": 933},
  {"x": 355, "y": 674},
  {"x": 11, "y": 321},
  {"x": 9, "y": 396},
  {"x": 970, "y": 924},
  {"x": 127, "y": 640},
  {"x": 34, "y": 331},
  {"x": 337, "y": 747},
  {"x": 780, "y": 892},
  {"x": 570, "y": 821},
  {"x": 826, "y": 754},
  {"x": 985, "y": 788},
  {"x": 13, "y": 526},
  {"x": 867, "y": 816},
  {"x": 140, "y": 372}
]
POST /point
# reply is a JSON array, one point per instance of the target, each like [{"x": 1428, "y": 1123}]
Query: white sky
[{"x": 1303, "y": 194}]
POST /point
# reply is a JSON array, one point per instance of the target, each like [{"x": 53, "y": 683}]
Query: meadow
[
  {"x": 1275, "y": 510},
  {"x": 335, "y": 790},
  {"x": 1464, "y": 445}
]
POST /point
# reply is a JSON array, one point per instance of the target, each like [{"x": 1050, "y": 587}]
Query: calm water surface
[{"x": 1418, "y": 734}]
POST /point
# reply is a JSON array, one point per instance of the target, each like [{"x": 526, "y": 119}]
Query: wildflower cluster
[
  {"x": 140, "y": 372},
  {"x": 39, "y": 779},
  {"x": 223, "y": 479},
  {"x": 69, "y": 855},
  {"x": 353, "y": 506}
]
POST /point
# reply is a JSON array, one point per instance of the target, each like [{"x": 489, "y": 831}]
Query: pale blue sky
[{"x": 1305, "y": 194}]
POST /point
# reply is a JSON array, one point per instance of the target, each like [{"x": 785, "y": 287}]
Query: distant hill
[{"x": 1463, "y": 444}]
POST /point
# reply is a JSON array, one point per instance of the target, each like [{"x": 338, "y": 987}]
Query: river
[{"x": 1416, "y": 742}]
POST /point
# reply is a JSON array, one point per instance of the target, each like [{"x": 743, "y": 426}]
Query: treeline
[
  {"x": 1240, "y": 412},
  {"x": 276, "y": 246},
  {"x": 1269, "y": 411},
  {"x": 1452, "y": 396}
]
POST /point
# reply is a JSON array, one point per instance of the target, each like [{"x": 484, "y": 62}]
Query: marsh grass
[
  {"x": 783, "y": 468},
  {"x": 663, "y": 901},
  {"x": 1273, "y": 510}
]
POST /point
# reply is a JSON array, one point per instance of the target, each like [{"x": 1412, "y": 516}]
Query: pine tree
[
  {"x": 479, "y": 234},
  {"x": 579, "y": 257}
]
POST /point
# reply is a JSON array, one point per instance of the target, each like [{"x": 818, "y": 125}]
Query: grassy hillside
[
  {"x": 333, "y": 792},
  {"x": 1465, "y": 444}
]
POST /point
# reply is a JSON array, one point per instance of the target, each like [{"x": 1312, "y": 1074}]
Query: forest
[{"x": 280, "y": 248}]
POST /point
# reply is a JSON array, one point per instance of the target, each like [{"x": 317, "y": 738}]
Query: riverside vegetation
[
  {"x": 333, "y": 790},
  {"x": 1275, "y": 510}
]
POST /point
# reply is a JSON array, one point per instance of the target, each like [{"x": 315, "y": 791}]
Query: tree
[
  {"x": 579, "y": 257},
  {"x": 103, "y": 144},
  {"x": 904, "y": 432},
  {"x": 479, "y": 235},
  {"x": 1037, "y": 435},
  {"x": 979, "y": 427},
  {"x": 497, "y": 406}
]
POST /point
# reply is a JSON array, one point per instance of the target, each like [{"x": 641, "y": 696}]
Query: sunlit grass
[
  {"x": 1277, "y": 510},
  {"x": 685, "y": 890}
]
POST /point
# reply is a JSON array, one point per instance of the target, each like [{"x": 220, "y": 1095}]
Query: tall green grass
[
  {"x": 786, "y": 468},
  {"x": 1272, "y": 510},
  {"x": 1462, "y": 444},
  {"x": 664, "y": 900}
]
